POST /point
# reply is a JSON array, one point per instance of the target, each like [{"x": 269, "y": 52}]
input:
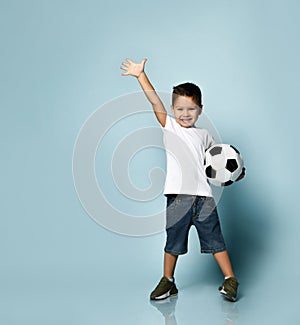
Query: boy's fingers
[
  {"x": 125, "y": 63},
  {"x": 121, "y": 67},
  {"x": 129, "y": 60}
]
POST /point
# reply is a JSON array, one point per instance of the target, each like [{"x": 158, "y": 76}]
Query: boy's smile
[{"x": 186, "y": 111}]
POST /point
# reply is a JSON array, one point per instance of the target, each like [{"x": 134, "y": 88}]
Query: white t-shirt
[{"x": 185, "y": 151}]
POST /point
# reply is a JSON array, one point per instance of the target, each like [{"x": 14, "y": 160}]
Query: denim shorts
[{"x": 183, "y": 211}]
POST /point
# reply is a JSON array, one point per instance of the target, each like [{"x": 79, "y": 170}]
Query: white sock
[
  {"x": 227, "y": 277},
  {"x": 171, "y": 279}
]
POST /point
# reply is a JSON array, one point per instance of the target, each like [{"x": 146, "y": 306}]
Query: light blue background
[{"x": 59, "y": 62}]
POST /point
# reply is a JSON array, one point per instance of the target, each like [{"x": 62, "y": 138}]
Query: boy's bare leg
[
  {"x": 223, "y": 260},
  {"x": 169, "y": 264}
]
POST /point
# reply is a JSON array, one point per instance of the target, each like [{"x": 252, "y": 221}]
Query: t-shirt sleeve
[
  {"x": 210, "y": 141},
  {"x": 169, "y": 123}
]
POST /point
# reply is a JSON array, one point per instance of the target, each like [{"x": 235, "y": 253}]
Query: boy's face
[{"x": 186, "y": 111}]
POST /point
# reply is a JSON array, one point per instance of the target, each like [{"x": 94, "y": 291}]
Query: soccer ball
[{"x": 223, "y": 164}]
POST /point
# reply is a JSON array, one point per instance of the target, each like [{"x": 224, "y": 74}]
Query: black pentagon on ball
[
  {"x": 210, "y": 172},
  {"x": 231, "y": 165},
  {"x": 235, "y": 149},
  {"x": 227, "y": 183},
  {"x": 215, "y": 151}
]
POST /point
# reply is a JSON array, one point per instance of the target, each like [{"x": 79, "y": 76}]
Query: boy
[{"x": 189, "y": 197}]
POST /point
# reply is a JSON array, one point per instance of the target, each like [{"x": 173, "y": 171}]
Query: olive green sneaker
[
  {"x": 229, "y": 288},
  {"x": 164, "y": 289}
]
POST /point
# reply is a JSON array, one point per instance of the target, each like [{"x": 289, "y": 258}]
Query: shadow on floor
[{"x": 248, "y": 232}]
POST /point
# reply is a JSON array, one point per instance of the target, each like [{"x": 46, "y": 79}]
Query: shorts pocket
[{"x": 207, "y": 208}]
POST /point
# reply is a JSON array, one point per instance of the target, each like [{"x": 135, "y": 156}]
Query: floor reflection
[
  {"x": 167, "y": 308},
  {"x": 230, "y": 311}
]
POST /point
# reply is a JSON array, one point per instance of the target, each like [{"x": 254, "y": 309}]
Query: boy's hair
[{"x": 187, "y": 89}]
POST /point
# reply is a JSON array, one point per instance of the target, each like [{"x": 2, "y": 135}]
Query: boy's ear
[
  {"x": 172, "y": 109},
  {"x": 200, "y": 109}
]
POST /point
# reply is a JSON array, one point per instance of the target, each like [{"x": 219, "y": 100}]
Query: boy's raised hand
[
  {"x": 132, "y": 68},
  {"x": 137, "y": 70}
]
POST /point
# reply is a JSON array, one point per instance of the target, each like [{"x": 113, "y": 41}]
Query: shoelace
[
  {"x": 231, "y": 283},
  {"x": 163, "y": 280}
]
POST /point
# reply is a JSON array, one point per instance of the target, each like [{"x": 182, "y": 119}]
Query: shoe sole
[
  {"x": 225, "y": 295},
  {"x": 164, "y": 296}
]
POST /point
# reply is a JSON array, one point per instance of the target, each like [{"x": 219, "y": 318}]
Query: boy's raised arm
[{"x": 137, "y": 70}]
